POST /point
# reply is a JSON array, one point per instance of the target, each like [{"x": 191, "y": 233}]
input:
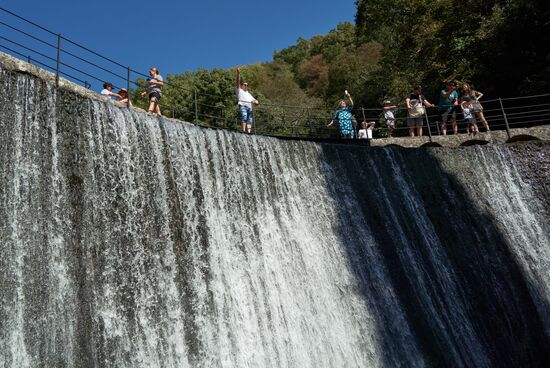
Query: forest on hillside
[{"x": 501, "y": 47}]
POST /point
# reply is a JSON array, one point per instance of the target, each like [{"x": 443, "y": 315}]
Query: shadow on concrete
[
  {"x": 431, "y": 144},
  {"x": 522, "y": 138},
  {"x": 474, "y": 142},
  {"x": 459, "y": 286}
]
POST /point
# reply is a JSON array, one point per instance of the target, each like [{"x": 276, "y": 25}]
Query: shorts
[
  {"x": 476, "y": 107},
  {"x": 246, "y": 114},
  {"x": 154, "y": 96},
  {"x": 443, "y": 116},
  {"x": 468, "y": 122},
  {"x": 390, "y": 123},
  {"x": 415, "y": 122}
]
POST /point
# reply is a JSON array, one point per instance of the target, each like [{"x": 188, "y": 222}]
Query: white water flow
[{"x": 129, "y": 240}]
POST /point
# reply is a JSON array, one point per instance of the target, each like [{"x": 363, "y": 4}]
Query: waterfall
[{"x": 131, "y": 240}]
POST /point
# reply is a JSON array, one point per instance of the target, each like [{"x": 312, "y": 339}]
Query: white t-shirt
[
  {"x": 244, "y": 98},
  {"x": 106, "y": 92},
  {"x": 467, "y": 113},
  {"x": 365, "y": 133},
  {"x": 388, "y": 114}
]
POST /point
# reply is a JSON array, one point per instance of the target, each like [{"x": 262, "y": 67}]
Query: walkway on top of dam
[{"x": 541, "y": 132}]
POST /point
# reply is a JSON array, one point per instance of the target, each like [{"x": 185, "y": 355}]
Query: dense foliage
[{"x": 502, "y": 47}]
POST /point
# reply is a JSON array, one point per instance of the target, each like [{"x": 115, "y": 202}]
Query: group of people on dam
[
  {"x": 451, "y": 106},
  {"x": 455, "y": 103},
  {"x": 155, "y": 82}
]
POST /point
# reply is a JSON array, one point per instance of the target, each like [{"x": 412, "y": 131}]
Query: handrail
[
  {"x": 44, "y": 65},
  {"x": 64, "y": 38},
  {"x": 52, "y": 59}
]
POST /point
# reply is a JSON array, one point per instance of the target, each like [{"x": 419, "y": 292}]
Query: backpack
[{"x": 418, "y": 110}]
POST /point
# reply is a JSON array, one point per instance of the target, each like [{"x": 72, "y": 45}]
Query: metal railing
[{"x": 82, "y": 65}]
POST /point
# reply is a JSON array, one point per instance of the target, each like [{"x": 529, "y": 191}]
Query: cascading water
[{"x": 129, "y": 240}]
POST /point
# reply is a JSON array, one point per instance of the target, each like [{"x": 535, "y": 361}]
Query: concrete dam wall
[{"x": 130, "y": 240}]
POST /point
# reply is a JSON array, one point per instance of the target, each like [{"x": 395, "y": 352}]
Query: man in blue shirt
[{"x": 448, "y": 97}]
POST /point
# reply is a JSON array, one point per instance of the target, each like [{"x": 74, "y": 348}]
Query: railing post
[
  {"x": 428, "y": 123},
  {"x": 364, "y": 119},
  {"x": 254, "y": 121},
  {"x": 505, "y": 118},
  {"x": 309, "y": 122},
  {"x": 128, "y": 87},
  {"x": 29, "y": 59},
  {"x": 58, "y": 59},
  {"x": 196, "y": 107}
]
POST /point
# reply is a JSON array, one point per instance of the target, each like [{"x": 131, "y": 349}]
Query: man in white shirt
[
  {"x": 108, "y": 91},
  {"x": 245, "y": 101}
]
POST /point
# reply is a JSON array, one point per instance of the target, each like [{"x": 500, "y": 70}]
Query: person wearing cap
[
  {"x": 343, "y": 118},
  {"x": 245, "y": 101},
  {"x": 448, "y": 97},
  {"x": 108, "y": 90},
  {"x": 123, "y": 96},
  {"x": 416, "y": 112},
  {"x": 154, "y": 89},
  {"x": 389, "y": 117}
]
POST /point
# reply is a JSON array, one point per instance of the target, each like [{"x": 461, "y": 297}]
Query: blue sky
[{"x": 175, "y": 36}]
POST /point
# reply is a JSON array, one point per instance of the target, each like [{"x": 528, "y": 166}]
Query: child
[
  {"x": 366, "y": 132},
  {"x": 468, "y": 117},
  {"x": 123, "y": 93},
  {"x": 389, "y": 117}
]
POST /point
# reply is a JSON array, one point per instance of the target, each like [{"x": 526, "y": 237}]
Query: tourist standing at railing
[
  {"x": 245, "y": 101},
  {"x": 154, "y": 89},
  {"x": 457, "y": 109},
  {"x": 416, "y": 104},
  {"x": 108, "y": 90},
  {"x": 448, "y": 97},
  {"x": 343, "y": 118},
  {"x": 389, "y": 117},
  {"x": 477, "y": 109}
]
